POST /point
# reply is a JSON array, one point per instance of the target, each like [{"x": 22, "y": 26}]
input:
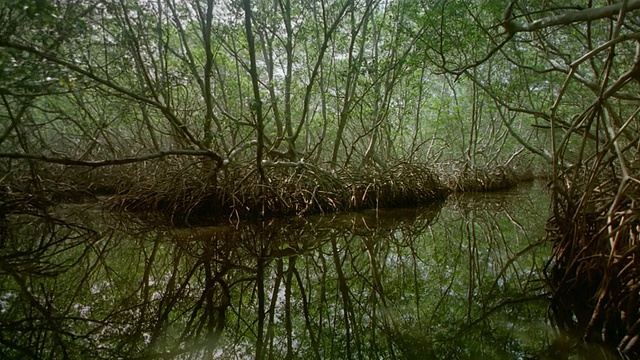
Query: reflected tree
[{"x": 388, "y": 283}]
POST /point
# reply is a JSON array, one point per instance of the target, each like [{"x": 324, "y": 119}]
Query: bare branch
[
  {"x": 121, "y": 161},
  {"x": 571, "y": 17},
  {"x": 166, "y": 111}
]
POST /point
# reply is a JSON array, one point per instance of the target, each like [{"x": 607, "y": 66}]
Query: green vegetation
[
  {"x": 254, "y": 108},
  {"x": 177, "y": 105}
]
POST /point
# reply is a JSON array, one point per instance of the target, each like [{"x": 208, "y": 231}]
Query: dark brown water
[{"x": 455, "y": 280}]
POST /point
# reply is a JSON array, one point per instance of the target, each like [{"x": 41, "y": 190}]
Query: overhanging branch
[
  {"x": 122, "y": 161},
  {"x": 569, "y": 17},
  {"x": 166, "y": 111}
]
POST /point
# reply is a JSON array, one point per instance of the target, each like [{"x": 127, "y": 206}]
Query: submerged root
[
  {"x": 463, "y": 178},
  {"x": 400, "y": 185},
  {"x": 183, "y": 192},
  {"x": 199, "y": 189},
  {"x": 595, "y": 271}
]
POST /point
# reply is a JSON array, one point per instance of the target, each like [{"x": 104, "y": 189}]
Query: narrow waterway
[{"x": 462, "y": 279}]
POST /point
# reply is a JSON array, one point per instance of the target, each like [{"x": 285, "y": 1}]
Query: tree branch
[
  {"x": 121, "y": 161},
  {"x": 570, "y": 17},
  {"x": 166, "y": 111}
]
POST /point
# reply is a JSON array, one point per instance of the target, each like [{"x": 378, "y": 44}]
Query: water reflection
[{"x": 459, "y": 280}]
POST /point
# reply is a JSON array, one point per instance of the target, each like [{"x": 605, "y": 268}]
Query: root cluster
[
  {"x": 595, "y": 270},
  {"x": 464, "y": 178},
  {"x": 186, "y": 192}
]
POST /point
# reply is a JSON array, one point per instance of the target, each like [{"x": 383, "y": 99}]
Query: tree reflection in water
[{"x": 459, "y": 281}]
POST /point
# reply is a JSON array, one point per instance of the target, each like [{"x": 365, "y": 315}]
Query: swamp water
[{"x": 461, "y": 279}]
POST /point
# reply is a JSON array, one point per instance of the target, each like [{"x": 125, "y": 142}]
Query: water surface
[{"x": 460, "y": 279}]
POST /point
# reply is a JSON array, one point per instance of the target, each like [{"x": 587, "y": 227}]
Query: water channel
[{"x": 461, "y": 279}]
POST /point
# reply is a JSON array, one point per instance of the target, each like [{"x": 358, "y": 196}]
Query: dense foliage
[
  {"x": 243, "y": 103},
  {"x": 344, "y": 83}
]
